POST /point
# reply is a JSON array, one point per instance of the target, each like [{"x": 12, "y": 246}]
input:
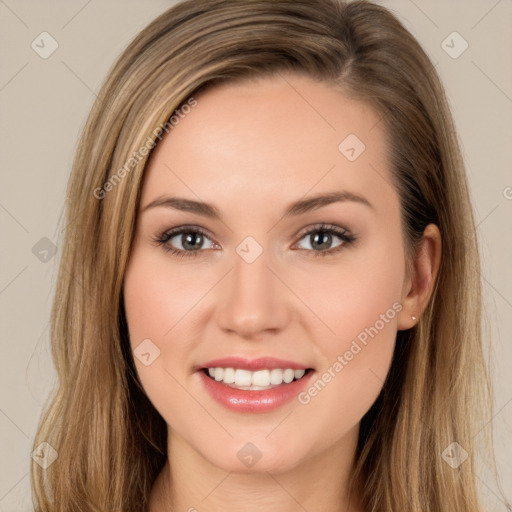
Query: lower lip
[{"x": 242, "y": 400}]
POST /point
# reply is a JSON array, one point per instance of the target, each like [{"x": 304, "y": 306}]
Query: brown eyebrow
[{"x": 294, "y": 209}]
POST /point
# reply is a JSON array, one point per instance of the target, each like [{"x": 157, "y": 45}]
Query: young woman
[{"x": 267, "y": 297}]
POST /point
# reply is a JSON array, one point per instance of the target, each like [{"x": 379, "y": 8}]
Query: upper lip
[{"x": 260, "y": 363}]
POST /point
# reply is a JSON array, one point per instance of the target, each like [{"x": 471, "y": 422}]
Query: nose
[{"x": 253, "y": 300}]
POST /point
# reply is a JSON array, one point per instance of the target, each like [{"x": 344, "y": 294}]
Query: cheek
[
  {"x": 162, "y": 304},
  {"x": 153, "y": 313},
  {"x": 359, "y": 290},
  {"x": 359, "y": 300},
  {"x": 160, "y": 298}
]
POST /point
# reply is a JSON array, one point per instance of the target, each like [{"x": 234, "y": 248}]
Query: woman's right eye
[{"x": 184, "y": 241}]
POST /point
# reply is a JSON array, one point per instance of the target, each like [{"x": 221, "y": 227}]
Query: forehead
[{"x": 256, "y": 142}]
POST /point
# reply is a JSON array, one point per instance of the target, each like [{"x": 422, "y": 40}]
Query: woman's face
[{"x": 279, "y": 279}]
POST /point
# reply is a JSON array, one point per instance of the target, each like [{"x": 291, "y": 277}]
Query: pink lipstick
[{"x": 254, "y": 385}]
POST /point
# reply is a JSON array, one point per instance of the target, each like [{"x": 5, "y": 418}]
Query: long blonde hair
[{"x": 111, "y": 442}]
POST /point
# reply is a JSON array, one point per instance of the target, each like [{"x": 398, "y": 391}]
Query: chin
[{"x": 254, "y": 455}]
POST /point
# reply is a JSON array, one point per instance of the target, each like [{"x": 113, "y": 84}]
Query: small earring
[{"x": 413, "y": 317}]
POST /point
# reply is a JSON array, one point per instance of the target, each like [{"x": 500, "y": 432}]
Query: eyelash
[{"x": 163, "y": 238}]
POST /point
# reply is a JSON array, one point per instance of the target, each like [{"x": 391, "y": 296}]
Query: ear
[{"x": 421, "y": 277}]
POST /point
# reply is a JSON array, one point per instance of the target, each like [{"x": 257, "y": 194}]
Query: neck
[{"x": 192, "y": 483}]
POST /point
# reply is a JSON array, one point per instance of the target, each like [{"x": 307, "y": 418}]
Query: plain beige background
[{"x": 44, "y": 103}]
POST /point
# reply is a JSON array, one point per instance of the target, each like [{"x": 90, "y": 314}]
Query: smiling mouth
[{"x": 259, "y": 380}]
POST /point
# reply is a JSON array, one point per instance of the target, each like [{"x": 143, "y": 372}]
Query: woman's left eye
[
  {"x": 322, "y": 235},
  {"x": 191, "y": 240}
]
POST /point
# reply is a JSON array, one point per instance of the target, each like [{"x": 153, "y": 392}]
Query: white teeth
[
  {"x": 299, "y": 373},
  {"x": 260, "y": 379},
  {"x": 242, "y": 377},
  {"x": 229, "y": 376},
  {"x": 276, "y": 377},
  {"x": 288, "y": 375}
]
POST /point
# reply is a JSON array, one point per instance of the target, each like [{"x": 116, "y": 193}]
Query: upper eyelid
[
  {"x": 171, "y": 233},
  {"x": 322, "y": 226}
]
